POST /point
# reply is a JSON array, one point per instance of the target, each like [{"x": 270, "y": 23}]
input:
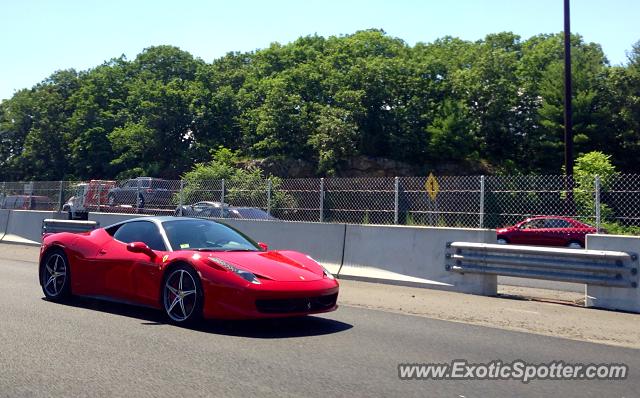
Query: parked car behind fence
[
  {"x": 27, "y": 202},
  {"x": 140, "y": 192}
]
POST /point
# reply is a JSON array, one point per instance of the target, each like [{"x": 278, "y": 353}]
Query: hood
[{"x": 275, "y": 265}]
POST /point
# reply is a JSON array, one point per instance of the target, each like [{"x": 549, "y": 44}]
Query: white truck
[{"x": 87, "y": 196}]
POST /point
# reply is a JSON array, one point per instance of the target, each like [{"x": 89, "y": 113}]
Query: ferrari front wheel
[
  {"x": 182, "y": 297},
  {"x": 54, "y": 276}
]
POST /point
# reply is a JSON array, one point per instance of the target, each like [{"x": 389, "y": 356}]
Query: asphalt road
[{"x": 92, "y": 348}]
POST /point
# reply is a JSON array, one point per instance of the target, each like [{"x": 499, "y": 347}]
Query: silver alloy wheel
[
  {"x": 111, "y": 200},
  {"x": 55, "y": 274},
  {"x": 574, "y": 245},
  {"x": 502, "y": 241},
  {"x": 180, "y": 296}
]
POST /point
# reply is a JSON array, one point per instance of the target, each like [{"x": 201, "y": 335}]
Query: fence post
[
  {"x": 99, "y": 196},
  {"x": 60, "y": 196},
  {"x": 138, "y": 194},
  {"x": 222, "y": 197},
  {"x": 180, "y": 198},
  {"x": 268, "y": 196},
  {"x": 396, "y": 200},
  {"x": 321, "y": 199},
  {"x": 597, "y": 200},
  {"x": 482, "y": 201}
]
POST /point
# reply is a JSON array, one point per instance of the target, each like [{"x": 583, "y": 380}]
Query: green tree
[
  {"x": 586, "y": 168},
  {"x": 242, "y": 187}
]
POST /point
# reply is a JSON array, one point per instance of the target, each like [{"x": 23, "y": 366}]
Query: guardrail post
[
  {"x": 268, "y": 196},
  {"x": 321, "y": 199},
  {"x": 60, "y": 196},
  {"x": 396, "y": 199},
  {"x": 222, "y": 197},
  {"x": 180, "y": 197},
  {"x": 481, "y": 201},
  {"x": 597, "y": 203}
]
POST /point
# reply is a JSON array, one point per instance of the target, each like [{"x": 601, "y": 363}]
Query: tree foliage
[
  {"x": 242, "y": 186},
  {"x": 496, "y": 101}
]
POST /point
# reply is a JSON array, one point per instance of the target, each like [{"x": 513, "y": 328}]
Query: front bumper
[{"x": 270, "y": 299}]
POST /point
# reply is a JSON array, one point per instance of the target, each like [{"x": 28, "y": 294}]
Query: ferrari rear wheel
[
  {"x": 182, "y": 297},
  {"x": 55, "y": 276}
]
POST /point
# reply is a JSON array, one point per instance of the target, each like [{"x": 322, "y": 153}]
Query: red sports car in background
[
  {"x": 546, "y": 231},
  {"x": 189, "y": 268}
]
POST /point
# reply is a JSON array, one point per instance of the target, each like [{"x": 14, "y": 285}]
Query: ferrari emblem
[
  {"x": 301, "y": 277},
  {"x": 432, "y": 186},
  {"x": 165, "y": 258}
]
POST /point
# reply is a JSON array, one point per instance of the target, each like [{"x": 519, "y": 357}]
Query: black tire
[
  {"x": 182, "y": 281},
  {"x": 111, "y": 200},
  {"x": 574, "y": 244},
  {"x": 55, "y": 275}
]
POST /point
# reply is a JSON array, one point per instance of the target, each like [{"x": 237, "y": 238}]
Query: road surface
[{"x": 98, "y": 349}]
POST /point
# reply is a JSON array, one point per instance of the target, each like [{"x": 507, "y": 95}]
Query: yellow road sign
[{"x": 432, "y": 186}]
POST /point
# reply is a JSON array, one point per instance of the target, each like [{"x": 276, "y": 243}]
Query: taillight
[{"x": 149, "y": 190}]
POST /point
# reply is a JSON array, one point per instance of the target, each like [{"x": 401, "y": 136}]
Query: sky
[{"x": 38, "y": 37}]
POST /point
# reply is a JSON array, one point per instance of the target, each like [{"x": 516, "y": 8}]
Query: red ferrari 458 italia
[{"x": 187, "y": 267}]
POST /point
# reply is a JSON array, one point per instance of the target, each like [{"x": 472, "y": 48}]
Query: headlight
[
  {"x": 325, "y": 272},
  {"x": 246, "y": 275}
]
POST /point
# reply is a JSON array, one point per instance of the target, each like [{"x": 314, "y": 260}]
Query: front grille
[{"x": 304, "y": 304}]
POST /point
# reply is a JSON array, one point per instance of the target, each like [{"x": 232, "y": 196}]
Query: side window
[
  {"x": 141, "y": 231},
  {"x": 557, "y": 223},
  {"x": 534, "y": 224}
]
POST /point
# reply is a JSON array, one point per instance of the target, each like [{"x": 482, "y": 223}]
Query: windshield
[{"x": 206, "y": 235}]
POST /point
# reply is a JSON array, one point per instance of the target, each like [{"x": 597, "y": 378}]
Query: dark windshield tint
[{"x": 206, "y": 234}]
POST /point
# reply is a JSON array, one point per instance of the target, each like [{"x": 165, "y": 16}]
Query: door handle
[{"x": 102, "y": 251}]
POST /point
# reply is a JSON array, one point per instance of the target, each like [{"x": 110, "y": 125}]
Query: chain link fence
[{"x": 609, "y": 203}]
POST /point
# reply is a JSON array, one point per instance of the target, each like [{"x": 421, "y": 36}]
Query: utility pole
[{"x": 568, "y": 112}]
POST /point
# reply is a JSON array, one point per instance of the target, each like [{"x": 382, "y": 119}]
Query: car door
[
  {"x": 132, "y": 276},
  {"x": 530, "y": 233},
  {"x": 130, "y": 192},
  {"x": 555, "y": 232}
]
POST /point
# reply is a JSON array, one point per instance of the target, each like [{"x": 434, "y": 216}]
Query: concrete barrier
[
  {"x": 412, "y": 255},
  {"x": 323, "y": 242},
  {"x": 4, "y": 220},
  {"x": 25, "y": 226},
  {"x": 614, "y": 298},
  {"x": 387, "y": 254}
]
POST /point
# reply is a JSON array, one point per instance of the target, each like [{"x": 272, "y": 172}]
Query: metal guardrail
[
  {"x": 594, "y": 267},
  {"x": 52, "y": 226}
]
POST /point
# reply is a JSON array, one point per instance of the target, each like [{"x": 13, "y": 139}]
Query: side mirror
[
  {"x": 264, "y": 246},
  {"x": 141, "y": 247}
]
